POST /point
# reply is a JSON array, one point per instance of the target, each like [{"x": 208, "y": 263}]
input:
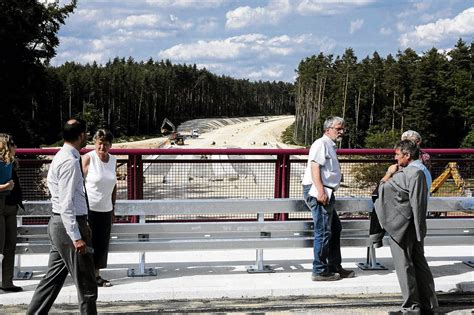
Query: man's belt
[{"x": 84, "y": 216}]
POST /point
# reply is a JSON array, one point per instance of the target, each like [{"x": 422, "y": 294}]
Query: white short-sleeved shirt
[{"x": 323, "y": 152}]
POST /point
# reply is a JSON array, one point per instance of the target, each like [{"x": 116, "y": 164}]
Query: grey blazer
[{"x": 402, "y": 205}]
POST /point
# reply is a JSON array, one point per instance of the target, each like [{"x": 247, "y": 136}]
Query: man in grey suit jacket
[{"x": 401, "y": 209}]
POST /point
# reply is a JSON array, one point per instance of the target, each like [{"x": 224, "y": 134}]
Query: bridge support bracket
[
  {"x": 141, "y": 271},
  {"x": 18, "y": 274},
  {"x": 259, "y": 266},
  {"x": 371, "y": 262},
  {"x": 470, "y": 263},
  {"x": 23, "y": 275}
]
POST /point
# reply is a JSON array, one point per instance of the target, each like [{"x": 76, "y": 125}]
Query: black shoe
[
  {"x": 406, "y": 312},
  {"x": 326, "y": 276},
  {"x": 12, "y": 289},
  {"x": 344, "y": 273}
]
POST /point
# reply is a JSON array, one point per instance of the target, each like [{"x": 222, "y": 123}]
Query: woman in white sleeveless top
[{"x": 101, "y": 186}]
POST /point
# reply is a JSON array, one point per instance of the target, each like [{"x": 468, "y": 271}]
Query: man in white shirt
[
  {"x": 321, "y": 179},
  {"x": 69, "y": 232}
]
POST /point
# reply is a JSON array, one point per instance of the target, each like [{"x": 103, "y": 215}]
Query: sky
[{"x": 260, "y": 39}]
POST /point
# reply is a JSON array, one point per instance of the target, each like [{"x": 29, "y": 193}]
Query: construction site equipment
[
  {"x": 167, "y": 127},
  {"x": 451, "y": 170}
]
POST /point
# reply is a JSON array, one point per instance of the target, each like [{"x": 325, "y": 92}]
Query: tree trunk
[
  {"x": 346, "y": 83},
  {"x": 372, "y": 106},
  {"x": 393, "y": 111}
]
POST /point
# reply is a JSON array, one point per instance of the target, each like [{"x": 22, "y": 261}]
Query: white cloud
[
  {"x": 277, "y": 10},
  {"x": 146, "y": 21},
  {"x": 433, "y": 33},
  {"x": 246, "y": 46},
  {"x": 219, "y": 50},
  {"x": 75, "y": 49},
  {"x": 132, "y": 21},
  {"x": 385, "y": 31},
  {"x": 88, "y": 14},
  {"x": 144, "y": 34},
  {"x": 356, "y": 25},
  {"x": 415, "y": 9},
  {"x": 194, "y": 4},
  {"x": 402, "y": 27},
  {"x": 207, "y": 25},
  {"x": 329, "y": 7},
  {"x": 247, "y": 16},
  {"x": 273, "y": 72}
]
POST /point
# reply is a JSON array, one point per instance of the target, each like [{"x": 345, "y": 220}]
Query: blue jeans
[{"x": 327, "y": 234}]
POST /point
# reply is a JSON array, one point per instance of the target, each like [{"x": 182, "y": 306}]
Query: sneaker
[
  {"x": 344, "y": 273},
  {"x": 326, "y": 276}
]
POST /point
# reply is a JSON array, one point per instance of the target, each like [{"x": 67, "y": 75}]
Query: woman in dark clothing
[{"x": 10, "y": 200}]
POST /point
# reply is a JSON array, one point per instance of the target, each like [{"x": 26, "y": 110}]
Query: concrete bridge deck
[{"x": 221, "y": 275}]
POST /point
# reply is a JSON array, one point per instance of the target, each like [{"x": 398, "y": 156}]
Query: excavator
[{"x": 168, "y": 128}]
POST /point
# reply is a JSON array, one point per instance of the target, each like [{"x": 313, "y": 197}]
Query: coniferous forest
[{"x": 432, "y": 92}]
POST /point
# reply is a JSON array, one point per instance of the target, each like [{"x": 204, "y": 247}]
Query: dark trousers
[
  {"x": 64, "y": 259},
  {"x": 414, "y": 276},
  {"x": 101, "y": 224},
  {"x": 7, "y": 242}
]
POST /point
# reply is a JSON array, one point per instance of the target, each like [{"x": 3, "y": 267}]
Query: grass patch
[{"x": 287, "y": 135}]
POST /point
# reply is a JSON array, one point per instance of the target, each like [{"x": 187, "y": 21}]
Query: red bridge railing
[{"x": 203, "y": 173}]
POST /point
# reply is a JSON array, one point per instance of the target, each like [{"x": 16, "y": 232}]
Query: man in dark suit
[
  {"x": 69, "y": 232},
  {"x": 401, "y": 209}
]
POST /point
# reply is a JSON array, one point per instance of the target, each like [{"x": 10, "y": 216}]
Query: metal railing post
[
  {"x": 136, "y": 169},
  {"x": 130, "y": 177},
  {"x": 259, "y": 266},
  {"x": 17, "y": 273},
  {"x": 142, "y": 271},
  {"x": 285, "y": 182},
  {"x": 278, "y": 182}
]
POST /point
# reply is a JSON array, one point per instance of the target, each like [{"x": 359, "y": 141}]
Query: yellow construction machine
[
  {"x": 451, "y": 170},
  {"x": 168, "y": 128}
]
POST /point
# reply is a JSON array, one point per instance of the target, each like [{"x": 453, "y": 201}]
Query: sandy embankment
[{"x": 226, "y": 133}]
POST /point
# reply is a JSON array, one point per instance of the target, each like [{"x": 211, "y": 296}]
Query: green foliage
[
  {"x": 28, "y": 34},
  {"x": 381, "y": 139},
  {"x": 392, "y": 94},
  {"x": 287, "y": 136},
  {"x": 93, "y": 117},
  {"x": 369, "y": 174},
  {"x": 468, "y": 141}
]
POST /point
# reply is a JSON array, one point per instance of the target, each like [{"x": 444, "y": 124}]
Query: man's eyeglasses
[{"x": 338, "y": 129}]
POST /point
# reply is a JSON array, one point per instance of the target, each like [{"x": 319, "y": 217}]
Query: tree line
[
  {"x": 432, "y": 94},
  {"x": 133, "y": 98},
  {"x": 129, "y": 97}
]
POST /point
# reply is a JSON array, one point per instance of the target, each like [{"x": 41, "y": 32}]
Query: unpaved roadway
[{"x": 246, "y": 132}]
